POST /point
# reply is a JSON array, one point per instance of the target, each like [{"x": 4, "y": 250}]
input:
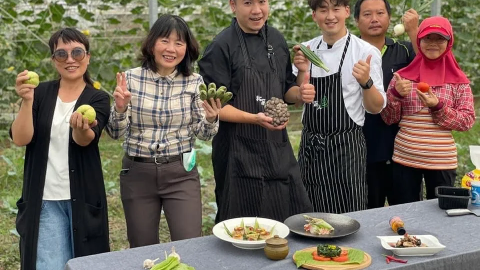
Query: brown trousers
[{"x": 147, "y": 187}]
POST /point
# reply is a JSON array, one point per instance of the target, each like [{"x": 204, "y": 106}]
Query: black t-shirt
[
  {"x": 223, "y": 62},
  {"x": 378, "y": 135}
]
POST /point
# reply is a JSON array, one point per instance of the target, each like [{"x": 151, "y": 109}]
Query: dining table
[{"x": 460, "y": 235}]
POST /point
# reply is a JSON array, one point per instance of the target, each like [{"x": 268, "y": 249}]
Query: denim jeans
[{"x": 55, "y": 236}]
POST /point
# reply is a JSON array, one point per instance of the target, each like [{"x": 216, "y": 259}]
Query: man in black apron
[
  {"x": 256, "y": 172},
  {"x": 373, "y": 19},
  {"x": 332, "y": 149}
]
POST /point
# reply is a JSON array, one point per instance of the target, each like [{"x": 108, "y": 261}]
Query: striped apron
[
  {"x": 332, "y": 154},
  {"x": 255, "y": 169}
]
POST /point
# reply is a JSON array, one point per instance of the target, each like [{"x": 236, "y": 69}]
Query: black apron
[
  {"x": 332, "y": 154},
  {"x": 255, "y": 169}
]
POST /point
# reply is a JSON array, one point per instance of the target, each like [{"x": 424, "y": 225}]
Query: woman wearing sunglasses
[
  {"x": 62, "y": 212},
  {"x": 158, "y": 110}
]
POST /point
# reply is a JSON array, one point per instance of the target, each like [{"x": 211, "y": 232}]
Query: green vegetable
[
  {"x": 212, "y": 85},
  {"x": 183, "y": 266},
  {"x": 271, "y": 230},
  {"x": 203, "y": 95},
  {"x": 318, "y": 223},
  {"x": 355, "y": 256},
  {"x": 227, "y": 230},
  {"x": 256, "y": 226},
  {"x": 170, "y": 263},
  {"x": 202, "y": 87},
  {"x": 312, "y": 57},
  {"x": 226, "y": 97},
  {"x": 211, "y": 93},
  {"x": 329, "y": 250},
  {"x": 220, "y": 92}
]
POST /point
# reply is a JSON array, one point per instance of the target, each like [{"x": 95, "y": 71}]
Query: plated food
[
  {"x": 333, "y": 225},
  {"x": 250, "y": 233},
  {"x": 252, "y": 236},
  {"x": 317, "y": 226},
  {"x": 411, "y": 245},
  {"x": 326, "y": 257},
  {"x": 408, "y": 241}
]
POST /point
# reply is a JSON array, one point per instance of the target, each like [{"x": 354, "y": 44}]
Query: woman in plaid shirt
[
  {"x": 424, "y": 146},
  {"x": 159, "y": 111}
]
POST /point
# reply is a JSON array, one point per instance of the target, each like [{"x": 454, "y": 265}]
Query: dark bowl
[{"x": 342, "y": 224}]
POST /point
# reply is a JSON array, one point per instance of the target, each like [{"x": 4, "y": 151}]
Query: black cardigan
[{"x": 88, "y": 198}]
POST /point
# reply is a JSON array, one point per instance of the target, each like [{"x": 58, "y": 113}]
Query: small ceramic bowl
[{"x": 276, "y": 248}]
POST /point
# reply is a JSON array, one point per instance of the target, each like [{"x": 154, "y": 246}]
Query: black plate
[{"x": 343, "y": 225}]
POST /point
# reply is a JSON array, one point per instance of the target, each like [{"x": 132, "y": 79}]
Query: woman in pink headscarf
[{"x": 424, "y": 146}]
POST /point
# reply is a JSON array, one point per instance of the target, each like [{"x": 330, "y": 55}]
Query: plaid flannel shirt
[
  {"x": 164, "y": 116},
  {"x": 455, "y": 110}
]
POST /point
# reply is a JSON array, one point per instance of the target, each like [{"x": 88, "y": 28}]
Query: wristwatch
[{"x": 368, "y": 85}]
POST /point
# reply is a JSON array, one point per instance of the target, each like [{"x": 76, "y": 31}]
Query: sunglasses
[{"x": 78, "y": 54}]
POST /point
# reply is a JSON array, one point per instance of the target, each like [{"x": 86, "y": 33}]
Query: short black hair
[
  {"x": 314, "y": 4},
  {"x": 68, "y": 35},
  {"x": 163, "y": 27},
  {"x": 358, "y": 4}
]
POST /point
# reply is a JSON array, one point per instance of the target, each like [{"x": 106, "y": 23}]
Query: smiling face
[
  {"x": 71, "y": 69},
  {"x": 331, "y": 19},
  {"x": 373, "y": 19},
  {"x": 433, "y": 46},
  {"x": 169, "y": 52},
  {"x": 251, "y": 14}
]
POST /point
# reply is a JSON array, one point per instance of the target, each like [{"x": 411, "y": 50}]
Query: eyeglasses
[
  {"x": 78, "y": 54},
  {"x": 436, "y": 41}
]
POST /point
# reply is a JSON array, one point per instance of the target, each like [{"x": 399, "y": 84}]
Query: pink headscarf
[{"x": 438, "y": 71}]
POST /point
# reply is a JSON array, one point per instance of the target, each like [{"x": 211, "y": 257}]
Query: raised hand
[
  {"x": 299, "y": 60},
  {"x": 361, "y": 70},
  {"x": 25, "y": 91},
  {"x": 121, "y": 95},
  {"x": 307, "y": 90},
  {"x": 410, "y": 20},
  {"x": 403, "y": 87}
]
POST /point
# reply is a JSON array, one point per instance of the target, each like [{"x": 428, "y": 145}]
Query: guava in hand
[{"x": 88, "y": 112}]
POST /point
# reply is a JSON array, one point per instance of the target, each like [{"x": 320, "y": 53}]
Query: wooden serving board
[{"x": 366, "y": 262}]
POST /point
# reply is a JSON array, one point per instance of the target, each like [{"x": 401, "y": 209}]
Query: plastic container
[
  {"x": 397, "y": 225},
  {"x": 475, "y": 193},
  {"x": 452, "y": 197}
]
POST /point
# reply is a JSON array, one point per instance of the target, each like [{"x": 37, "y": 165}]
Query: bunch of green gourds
[{"x": 212, "y": 92}]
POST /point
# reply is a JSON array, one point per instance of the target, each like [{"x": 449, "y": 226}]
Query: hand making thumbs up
[
  {"x": 307, "y": 90},
  {"x": 361, "y": 70},
  {"x": 403, "y": 87}
]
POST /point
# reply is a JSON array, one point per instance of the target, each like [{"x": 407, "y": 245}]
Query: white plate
[
  {"x": 219, "y": 231},
  {"x": 433, "y": 245}
]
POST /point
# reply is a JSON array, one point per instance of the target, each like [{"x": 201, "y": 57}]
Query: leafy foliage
[{"x": 116, "y": 29}]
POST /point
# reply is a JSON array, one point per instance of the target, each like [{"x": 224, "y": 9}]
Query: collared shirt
[
  {"x": 379, "y": 136},
  {"x": 164, "y": 116},
  {"x": 224, "y": 64},
  {"x": 425, "y": 140},
  {"x": 455, "y": 111},
  {"x": 352, "y": 91}
]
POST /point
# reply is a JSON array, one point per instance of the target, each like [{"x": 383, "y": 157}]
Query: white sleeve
[{"x": 376, "y": 72}]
